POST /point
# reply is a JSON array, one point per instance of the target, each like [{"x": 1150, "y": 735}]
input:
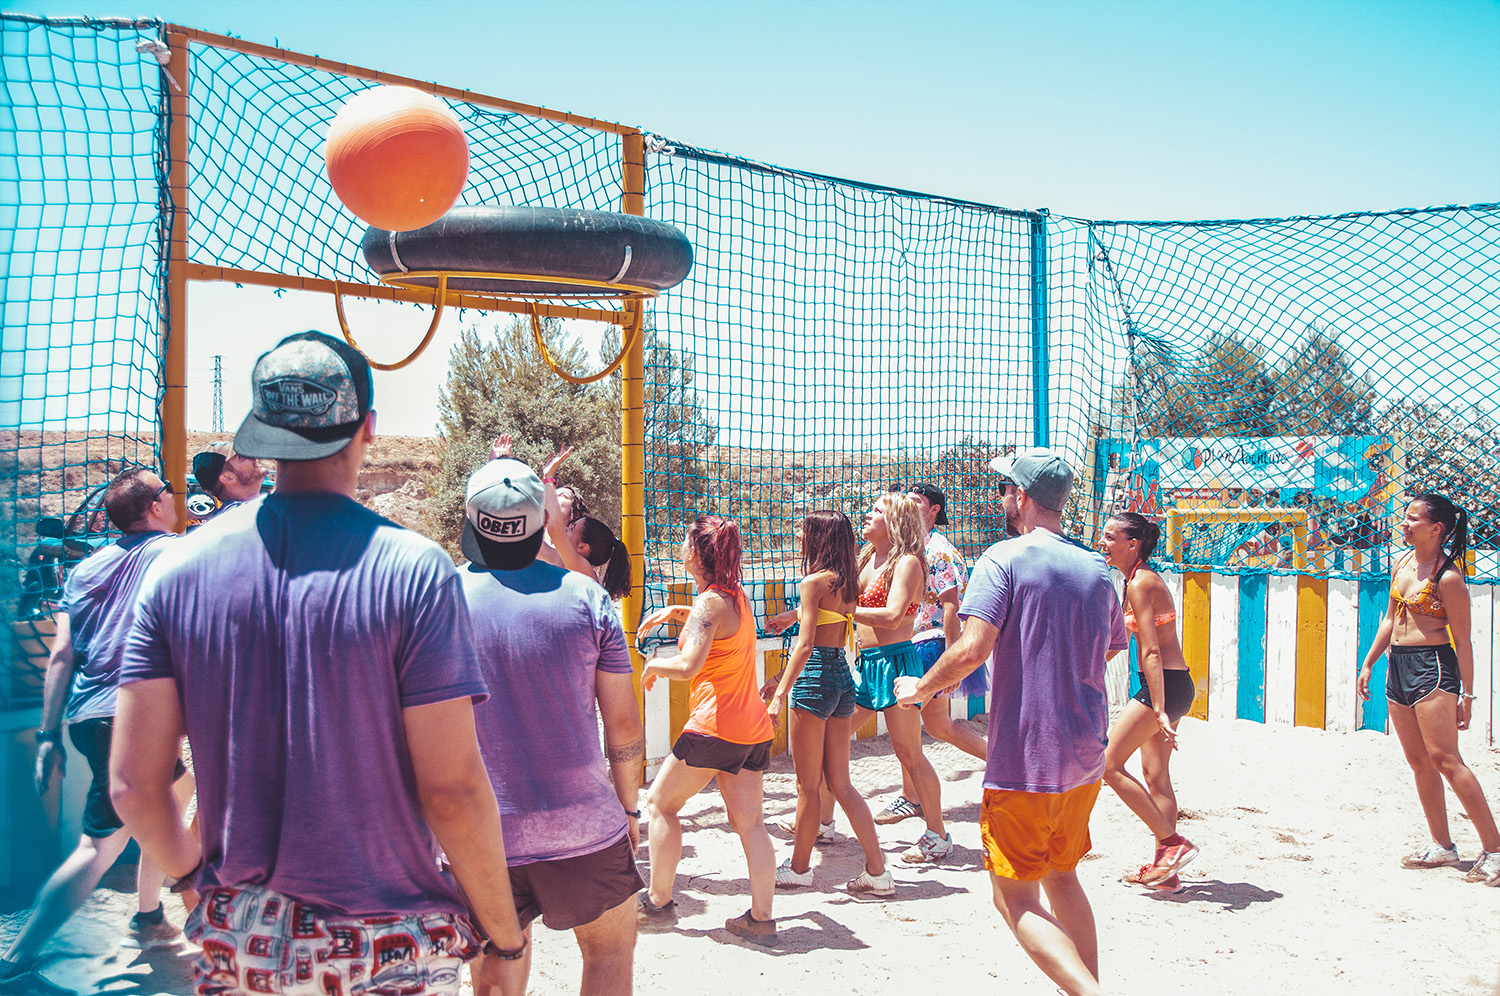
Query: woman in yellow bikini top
[{"x": 816, "y": 691}]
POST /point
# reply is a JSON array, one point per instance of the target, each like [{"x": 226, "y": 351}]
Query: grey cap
[
  {"x": 505, "y": 503},
  {"x": 1043, "y": 474},
  {"x": 311, "y": 394}
]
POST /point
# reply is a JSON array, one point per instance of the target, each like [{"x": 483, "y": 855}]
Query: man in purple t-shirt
[
  {"x": 1042, "y": 609},
  {"x": 552, "y": 648},
  {"x": 320, "y": 660},
  {"x": 82, "y": 674}
]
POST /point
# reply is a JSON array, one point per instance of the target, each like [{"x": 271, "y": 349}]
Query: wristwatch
[{"x": 49, "y": 736}]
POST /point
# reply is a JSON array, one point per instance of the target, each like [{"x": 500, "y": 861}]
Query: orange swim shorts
[{"x": 1026, "y": 835}]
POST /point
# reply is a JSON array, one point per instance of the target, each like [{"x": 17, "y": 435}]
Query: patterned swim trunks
[{"x": 259, "y": 941}]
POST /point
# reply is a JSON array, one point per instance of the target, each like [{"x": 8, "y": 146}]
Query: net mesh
[{"x": 835, "y": 339}]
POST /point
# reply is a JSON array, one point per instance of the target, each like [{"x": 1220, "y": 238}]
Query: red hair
[{"x": 716, "y": 542}]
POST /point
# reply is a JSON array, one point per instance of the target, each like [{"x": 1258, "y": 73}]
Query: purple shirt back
[
  {"x": 297, "y": 629},
  {"x": 542, "y": 634},
  {"x": 99, "y": 598},
  {"x": 1058, "y": 617}
]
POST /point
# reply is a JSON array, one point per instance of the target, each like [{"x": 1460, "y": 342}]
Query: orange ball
[{"x": 396, "y": 157}]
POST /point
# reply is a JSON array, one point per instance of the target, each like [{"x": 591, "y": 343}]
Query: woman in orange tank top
[{"x": 728, "y": 733}]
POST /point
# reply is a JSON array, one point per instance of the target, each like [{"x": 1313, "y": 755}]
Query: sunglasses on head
[{"x": 166, "y": 489}]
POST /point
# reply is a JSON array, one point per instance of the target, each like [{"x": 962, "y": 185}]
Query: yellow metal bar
[
  {"x": 376, "y": 76},
  {"x": 409, "y": 278},
  {"x": 174, "y": 331},
  {"x": 1310, "y": 706},
  {"x": 633, "y": 419},
  {"x": 775, "y": 601},
  {"x": 380, "y": 292},
  {"x": 1195, "y": 615},
  {"x": 681, "y": 593}
]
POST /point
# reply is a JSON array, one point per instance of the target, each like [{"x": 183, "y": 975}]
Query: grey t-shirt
[
  {"x": 99, "y": 598},
  {"x": 1058, "y": 618},
  {"x": 298, "y": 629},
  {"x": 543, "y": 634}
]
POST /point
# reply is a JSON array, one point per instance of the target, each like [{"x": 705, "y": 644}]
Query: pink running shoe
[
  {"x": 1169, "y": 860},
  {"x": 1169, "y": 885}
]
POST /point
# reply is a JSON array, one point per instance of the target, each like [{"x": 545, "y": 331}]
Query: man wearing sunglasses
[
  {"x": 95, "y": 615},
  {"x": 227, "y": 480}
]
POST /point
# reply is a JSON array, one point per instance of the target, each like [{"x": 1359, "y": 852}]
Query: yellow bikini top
[
  {"x": 1425, "y": 602},
  {"x": 827, "y": 617}
]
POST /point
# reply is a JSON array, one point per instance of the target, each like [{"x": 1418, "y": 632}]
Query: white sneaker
[
  {"x": 1486, "y": 869},
  {"x": 875, "y": 885},
  {"x": 826, "y": 832},
  {"x": 928, "y": 848},
  {"x": 788, "y": 879},
  {"x": 1434, "y": 855}
]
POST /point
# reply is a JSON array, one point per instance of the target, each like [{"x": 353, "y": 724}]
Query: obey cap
[
  {"x": 504, "y": 504},
  {"x": 1043, "y": 474},
  {"x": 310, "y": 396},
  {"x": 933, "y": 494}
]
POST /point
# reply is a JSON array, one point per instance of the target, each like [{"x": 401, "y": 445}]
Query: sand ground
[{"x": 1298, "y": 889}]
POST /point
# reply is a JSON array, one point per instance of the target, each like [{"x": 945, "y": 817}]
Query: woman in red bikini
[
  {"x": 1430, "y": 678},
  {"x": 892, "y": 576},
  {"x": 1148, "y": 723}
]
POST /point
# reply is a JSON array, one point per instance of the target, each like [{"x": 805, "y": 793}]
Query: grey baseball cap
[
  {"x": 310, "y": 396},
  {"x": 1043, "y": 474},
  {"x": 504, "y": 503}
]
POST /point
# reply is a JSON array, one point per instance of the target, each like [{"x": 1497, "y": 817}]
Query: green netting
[
  {"x": 834, "y": 339},
  {"x": 80, "y": 368}
]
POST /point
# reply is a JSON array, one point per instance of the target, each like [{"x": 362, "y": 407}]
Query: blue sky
[{"x": 1102, "y": 110}]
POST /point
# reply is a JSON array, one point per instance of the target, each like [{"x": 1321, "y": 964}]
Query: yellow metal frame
[{"x": 1177, "y": 517}]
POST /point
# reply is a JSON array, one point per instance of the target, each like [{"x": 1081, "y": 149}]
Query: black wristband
[
  {"x": 634, "y": 814},
  {"x": 49, "y": 736},
  {"x": 512, "y": 955}
]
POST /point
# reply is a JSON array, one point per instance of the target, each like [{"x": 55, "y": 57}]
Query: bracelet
[
  {"x": 633, "y": 814},
  {"x": 48, "y": 736},
  {"x": 549, "y": 480},
  {"x": 1467, "y": 695},
  {"x": 514, "y": 954}
]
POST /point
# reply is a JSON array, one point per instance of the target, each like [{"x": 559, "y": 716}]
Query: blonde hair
[{"x": 906, "y": 529}]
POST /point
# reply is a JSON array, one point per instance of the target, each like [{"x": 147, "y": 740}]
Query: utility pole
[{"x": 218, "y": 394}]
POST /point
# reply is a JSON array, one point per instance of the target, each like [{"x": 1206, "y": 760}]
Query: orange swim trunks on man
[{"x": 1026, "y": 835}]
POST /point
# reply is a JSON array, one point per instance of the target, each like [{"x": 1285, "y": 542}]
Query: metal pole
[
  {"x": 174, "y": 325},
  {"x": 1041, "y": 431},
  {"x": 633, "y": 413}
]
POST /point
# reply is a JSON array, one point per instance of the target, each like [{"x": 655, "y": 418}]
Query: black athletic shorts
[
  {"x": 1416, "y": 672},
  {"x": 710, "y": 752},
  {"x": 1178, "y": 687},
  {"x": 570, "y": 892},
  {"x": 92, "y": 737}
]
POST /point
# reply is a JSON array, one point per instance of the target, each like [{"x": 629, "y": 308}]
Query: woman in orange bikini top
[{"x": 1148, "y": 722}]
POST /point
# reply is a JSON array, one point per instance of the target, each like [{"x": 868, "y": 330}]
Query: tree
[{"x": 499, "y": 383}]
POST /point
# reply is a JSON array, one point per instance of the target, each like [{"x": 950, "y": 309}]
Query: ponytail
[{"x": 606, "y": 550}]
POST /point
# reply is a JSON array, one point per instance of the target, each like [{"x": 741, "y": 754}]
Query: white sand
[{"x": 1298, "y": 889}]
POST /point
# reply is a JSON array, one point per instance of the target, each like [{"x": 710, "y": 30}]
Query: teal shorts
[{"x": 879, "y": 667}]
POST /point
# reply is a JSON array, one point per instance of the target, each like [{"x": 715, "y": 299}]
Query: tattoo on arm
[{"x": 626, "y": 753}]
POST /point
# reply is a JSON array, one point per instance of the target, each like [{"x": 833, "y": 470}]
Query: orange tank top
[{"x": 725, "y": 699}]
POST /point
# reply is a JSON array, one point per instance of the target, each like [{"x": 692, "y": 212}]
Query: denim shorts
[
  {"x": 824, "y": 687},
  {"x": 879, "y": 667}
]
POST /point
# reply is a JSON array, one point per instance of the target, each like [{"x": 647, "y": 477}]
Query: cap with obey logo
[
  {"x": 311, "y": 394},
  {"x": 504, "y": 504},
  {"x": 1043, "y": 474},
  {"x": 934, "y": 496}
]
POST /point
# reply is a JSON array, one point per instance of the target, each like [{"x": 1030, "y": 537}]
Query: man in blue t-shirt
[
  {"x": 1041, "y": 608},
  {"x": 320, "y": 659},
  {"x": 552, "y": 649},
  {"x": 83, "y": 669}
]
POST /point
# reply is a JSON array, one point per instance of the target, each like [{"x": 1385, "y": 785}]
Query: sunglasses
[{"x": 166, "y": 489}]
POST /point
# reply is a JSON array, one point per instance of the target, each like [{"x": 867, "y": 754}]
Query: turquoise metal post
[{"x": 1041, "y": 434}]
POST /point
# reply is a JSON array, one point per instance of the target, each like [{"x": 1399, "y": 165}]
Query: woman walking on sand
[
  {"x": 893, "y": 574},
  {"x": 728, "y": 733},
  {"x": 816, "y": 683},
  {"x": 1430, "y": 678},
  {"x": 1148, "y": 722}
]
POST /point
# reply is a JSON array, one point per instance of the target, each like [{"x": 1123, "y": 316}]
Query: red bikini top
[{"x": 874, "y": 597}]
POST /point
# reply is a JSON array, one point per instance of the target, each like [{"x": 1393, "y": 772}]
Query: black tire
[{"x": 550, "y": 242}]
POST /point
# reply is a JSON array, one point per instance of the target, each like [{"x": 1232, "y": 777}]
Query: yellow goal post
[{"x": 1296, "y": 517}]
